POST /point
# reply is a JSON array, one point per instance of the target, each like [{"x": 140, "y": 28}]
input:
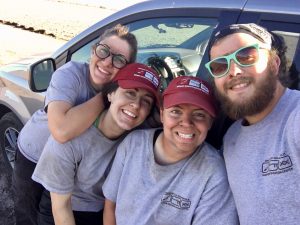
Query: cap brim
[{"x": 201, "y": 101}]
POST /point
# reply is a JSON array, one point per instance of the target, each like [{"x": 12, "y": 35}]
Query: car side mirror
[{"x": 40, "y": 74}]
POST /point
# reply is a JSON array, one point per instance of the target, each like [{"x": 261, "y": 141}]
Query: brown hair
[
  {"x": 279, "y": 48},
  {"x": 123, "y": 33}
]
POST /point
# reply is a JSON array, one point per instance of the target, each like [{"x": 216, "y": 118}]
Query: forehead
[
  {"x": 188, "y": 107},
  {"x": 139, "y": 91},
  {"x": 117, "y": 45},
  {"x": 231, "y": 43}
]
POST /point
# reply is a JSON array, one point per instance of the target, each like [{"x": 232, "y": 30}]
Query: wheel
[
  {"x": 10, "y": 127},
  {"x": 162, "y": 68}
]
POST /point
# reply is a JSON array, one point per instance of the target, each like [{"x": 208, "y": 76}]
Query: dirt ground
[
  {"x": 39, "y": 26},
  {"x": 6, "y": 198},
  {"x": 43, "y": 27}
]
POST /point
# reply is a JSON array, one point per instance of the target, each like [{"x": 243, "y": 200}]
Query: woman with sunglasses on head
[
  {"x": 75, "y": 171},
  {"x": 171, "y": 176},
  {"x": 73, "y": 102}
]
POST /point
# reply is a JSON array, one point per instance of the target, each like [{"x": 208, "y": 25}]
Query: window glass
[
  {"x": 84, "y": 53},
  {"x": 292, "y": 41},
  {"x": 172, "y": 46}
]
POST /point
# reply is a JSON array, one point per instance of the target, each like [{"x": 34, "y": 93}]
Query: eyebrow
[{"x": 148, "y": 94}]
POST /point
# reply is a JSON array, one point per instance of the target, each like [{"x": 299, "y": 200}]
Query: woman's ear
[
  {"x": 109, "y": 97},
  {"x": 211, "y": 121},
  {"x": 161, "y": 115}
]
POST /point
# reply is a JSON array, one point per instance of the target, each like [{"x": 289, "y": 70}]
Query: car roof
[
  {"x": 268, "y": 6},
  {"x": 290, "y": 7}
]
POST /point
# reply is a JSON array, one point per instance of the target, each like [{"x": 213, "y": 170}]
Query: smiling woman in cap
[
  {"x": 171, "y": 176},
  {"x": 77, "y": 169}
]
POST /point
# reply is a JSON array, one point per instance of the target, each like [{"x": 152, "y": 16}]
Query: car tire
[{"x": 10, "y": 127}]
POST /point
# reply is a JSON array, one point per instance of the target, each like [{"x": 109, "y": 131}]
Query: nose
[
  {"x": 186, "y": 120},
  {"x": 234, "y": 69},
  {"x": 136, "y": 103},
  {"x": 108, "y": 61}
]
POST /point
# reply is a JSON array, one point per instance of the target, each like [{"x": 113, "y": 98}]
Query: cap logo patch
[
  {"x": 142, "y": 73},
  {"x": 190, "y": 83}
]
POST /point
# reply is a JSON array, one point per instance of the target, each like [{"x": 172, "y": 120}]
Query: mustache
[{"x": 237, "y": 80}]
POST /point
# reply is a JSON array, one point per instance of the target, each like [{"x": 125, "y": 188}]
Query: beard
[{"x": 264, "y": 93}]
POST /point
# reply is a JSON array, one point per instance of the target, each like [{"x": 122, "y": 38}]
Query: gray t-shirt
[
  {"x": 263, "y": 165},
  {"x": 71, "y": 84},
  {"x": 79, "y": 166},
  {"x": 192, "y": 191}
]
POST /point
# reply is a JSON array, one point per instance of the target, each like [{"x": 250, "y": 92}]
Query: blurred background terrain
[{"x": 41, "y": 26}]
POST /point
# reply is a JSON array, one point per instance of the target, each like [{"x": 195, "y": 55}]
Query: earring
[{"x": 109, "y": 97}]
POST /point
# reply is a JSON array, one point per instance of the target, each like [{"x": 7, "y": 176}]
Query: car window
[
  {"x": 83, "y": 54},
  {"x": 178, "y": 42},
  {"x": 292, "y": 41},
  {"x": 291, "y": 35},
  {"x": 172, "y": 46}
]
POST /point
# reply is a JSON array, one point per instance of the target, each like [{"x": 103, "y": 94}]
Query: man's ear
[{"x": 275, "y": 64}]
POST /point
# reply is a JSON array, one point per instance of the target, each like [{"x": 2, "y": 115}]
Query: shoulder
[
  {"x": 72, "y": 65},
  {"x": 208, "y": 160},
  {"x": 142, "y": 134},
  {"x": 211, "y": 154},
  {"x": 233, "y": 130},
  {"x": 290, "y": 107},
  {"x": 140, "y": 139},
  {"x": 73, "y": 68}
]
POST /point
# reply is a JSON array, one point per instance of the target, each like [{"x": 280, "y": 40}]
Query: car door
[{"x": 283, "y": 19}]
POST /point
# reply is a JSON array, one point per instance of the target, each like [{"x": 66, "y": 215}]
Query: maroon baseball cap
[
  {"x": 190, "y": 90},
  {"x": 137, "y": 75}
]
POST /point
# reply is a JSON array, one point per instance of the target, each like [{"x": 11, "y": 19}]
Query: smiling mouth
[
  {"x": 238, "y": 86},
  {"x": 102, "y": 71},
  {"x": 185, "y": 136},
  {"x": 128, "y": 113},
  {"x": 238, "y": 83}
]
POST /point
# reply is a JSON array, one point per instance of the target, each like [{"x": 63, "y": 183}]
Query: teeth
[
  {"x": 101, "y": 70},
  {"x": 240, "y": 85},
  {"x": 187, "y": 136},
  {"x": 129, "y": 113}
]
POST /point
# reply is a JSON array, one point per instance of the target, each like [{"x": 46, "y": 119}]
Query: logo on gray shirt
[
  {"x": 176, "y": 201},
  {"x": 277, "y": 165}
]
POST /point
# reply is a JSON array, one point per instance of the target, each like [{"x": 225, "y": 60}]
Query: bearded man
[{"x": 262, "y": 147}]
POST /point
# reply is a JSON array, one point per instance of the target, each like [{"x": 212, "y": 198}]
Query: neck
[
  {"x": 164, "y": 154},
  {"x": 260, "y": 116},
  {"x": 108, "y": 126}
]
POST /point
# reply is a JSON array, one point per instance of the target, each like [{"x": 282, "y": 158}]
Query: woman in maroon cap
[
  {"x": 171, "y": 176},
  {"x": 74, "y": 172}
]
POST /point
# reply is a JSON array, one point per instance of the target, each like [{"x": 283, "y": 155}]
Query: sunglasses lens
[
  {"x": 218, "y": 66},
  {"x": 247, "y": 56},
  {"x": 119, "y": 61},
  {"x": 102, "y": 51}
]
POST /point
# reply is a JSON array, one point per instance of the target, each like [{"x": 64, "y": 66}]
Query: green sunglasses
[{"x": 245, "y": 56}]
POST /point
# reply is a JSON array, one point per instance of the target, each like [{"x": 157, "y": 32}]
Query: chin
[{"x": 126, "y": 126}]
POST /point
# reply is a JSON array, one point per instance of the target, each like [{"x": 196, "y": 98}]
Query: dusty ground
[
  {"x": 37, "y": 26},
  {"x": 53, "y": 21}
]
